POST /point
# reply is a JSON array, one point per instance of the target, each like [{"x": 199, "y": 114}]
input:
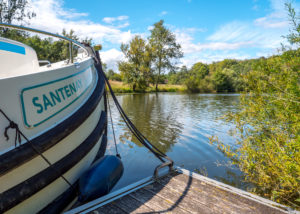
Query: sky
[{"x": 207, "y": 30}]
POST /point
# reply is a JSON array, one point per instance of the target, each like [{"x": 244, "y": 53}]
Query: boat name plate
[{"x": 44, "y": 101}]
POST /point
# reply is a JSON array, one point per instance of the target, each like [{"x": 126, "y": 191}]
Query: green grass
[{"x": 120, "y": 87}]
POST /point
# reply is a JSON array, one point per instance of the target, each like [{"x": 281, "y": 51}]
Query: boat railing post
[{"x": 71, "y": 51}]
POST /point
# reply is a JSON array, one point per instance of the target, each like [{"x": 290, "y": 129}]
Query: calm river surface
[{"x": 179, "y": 125}]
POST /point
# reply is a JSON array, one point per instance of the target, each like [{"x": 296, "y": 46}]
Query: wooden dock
[{"x": 181, "y": 192}]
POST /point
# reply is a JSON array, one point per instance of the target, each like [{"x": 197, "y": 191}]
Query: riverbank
[{"x": 120, "y": 87}]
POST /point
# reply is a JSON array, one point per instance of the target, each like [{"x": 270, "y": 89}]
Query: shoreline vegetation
[{"x": 121, "y": 87}]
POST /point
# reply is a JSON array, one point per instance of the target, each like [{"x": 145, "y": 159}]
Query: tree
[
  {"x": 179, "y": 76},
  {"x": 110, "y": 73},
  {"x": 14, "y": 11},
  {"x": 164, "y": 50},
  {"x": 136, "y": 70},
  {"x": 294, "y": 36},
  {"x": 223, "y": 80},
  {"x": 199, "y": 70}
]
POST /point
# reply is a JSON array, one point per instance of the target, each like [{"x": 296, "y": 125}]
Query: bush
[
  {"x": 191, "y": 84},
  {"x": 269, "y": 126}
]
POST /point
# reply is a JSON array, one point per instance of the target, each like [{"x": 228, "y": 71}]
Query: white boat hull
[{"x": 62, "y": 112}]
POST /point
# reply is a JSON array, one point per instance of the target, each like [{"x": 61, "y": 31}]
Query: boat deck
[{"x": 183, "y": 192}]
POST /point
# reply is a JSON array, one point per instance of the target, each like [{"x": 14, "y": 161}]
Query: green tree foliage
[
  {"x": 14, "y": 11},
  {"x": 178, "y": 77},
  {"x": 164, "y": 50},
  {"x": 223, "y": 76},
  {"x": 268, "y": 124},
  {"x": 48, "y": 49},
  {"x": 294, "y": 36},
  {"x": 111, "y": 75},
  {"x": 195, "y": 80},
  {"x": 136, "y": 70},
  {"x": 223, "y": 80},
  {"x": 226, "y": 63},
  {"x": 199, "y": 70},
  {"x": 104, "y": 67}
]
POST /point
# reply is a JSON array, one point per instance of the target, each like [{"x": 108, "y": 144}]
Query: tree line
[
  {"x": 216, "y": 77},
  {"x": 153, "y": 61}
]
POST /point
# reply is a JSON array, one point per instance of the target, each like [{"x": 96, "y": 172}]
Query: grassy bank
[{"x": 120, "y": 87}]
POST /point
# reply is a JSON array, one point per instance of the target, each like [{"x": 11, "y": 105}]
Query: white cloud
[
  {"x": 110, "y": 20},
  {"x": 251, "y": 33},
  {"x": 211, "y": 56},
  {"x": 235, "y": 39},
  {"x": 186, "y": 39},
  {"x": 151, "y": 27},
  {"x": 207, "y": 52},
  {"x": 271, "y": 22},
  {"x": 277, "y": 18},
  {"x": 125, "y": 24},
  {"x": 52, "y": 17},
  {"x": 163, "y": 13},
  {"x": 111, "y": 58}
]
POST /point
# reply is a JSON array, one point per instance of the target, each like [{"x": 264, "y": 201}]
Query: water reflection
[
  {"x": 179, "y": 125},
  {"x": 154, "y": 116}
]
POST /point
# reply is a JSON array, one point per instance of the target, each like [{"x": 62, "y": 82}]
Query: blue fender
[{"x": 100, "y": 178}]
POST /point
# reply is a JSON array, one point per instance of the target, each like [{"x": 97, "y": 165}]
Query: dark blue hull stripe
[{"x": 26, "y": 189}]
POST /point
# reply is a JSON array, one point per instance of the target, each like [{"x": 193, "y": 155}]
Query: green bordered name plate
[{"x": 44, "y": 101}]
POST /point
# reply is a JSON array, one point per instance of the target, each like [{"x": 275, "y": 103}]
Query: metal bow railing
[{"x": 71, "y": 41}]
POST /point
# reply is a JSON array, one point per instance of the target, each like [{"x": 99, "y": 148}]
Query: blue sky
[{"x": 208, "y": 31}]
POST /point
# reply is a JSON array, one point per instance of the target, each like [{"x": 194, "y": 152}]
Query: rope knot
[{"x": 13, "y": 125}]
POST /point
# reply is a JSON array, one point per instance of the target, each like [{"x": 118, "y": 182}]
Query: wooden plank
[
  {"x": 108, "y": 209},
  {"x": 158, "y": 204},
  {"x": 202, "y": 197},
  {"x": 233, "y": 201},
  {"x": 131, "y": 205},
  {"x": 180, "y": 193},
  {"x": 236, "y": 191},
  {"x": 182, "y": 199}
]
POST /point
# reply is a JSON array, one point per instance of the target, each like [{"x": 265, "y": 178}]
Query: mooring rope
[
  {"x": 112, "y": 126},
  {"x": 141, "y": 138}
]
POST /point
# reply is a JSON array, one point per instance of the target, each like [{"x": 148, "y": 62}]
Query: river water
[{"x": 179, "y": 125}]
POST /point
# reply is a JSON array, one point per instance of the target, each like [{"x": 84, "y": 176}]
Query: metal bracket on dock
[{"x": 168, "y": 163}]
